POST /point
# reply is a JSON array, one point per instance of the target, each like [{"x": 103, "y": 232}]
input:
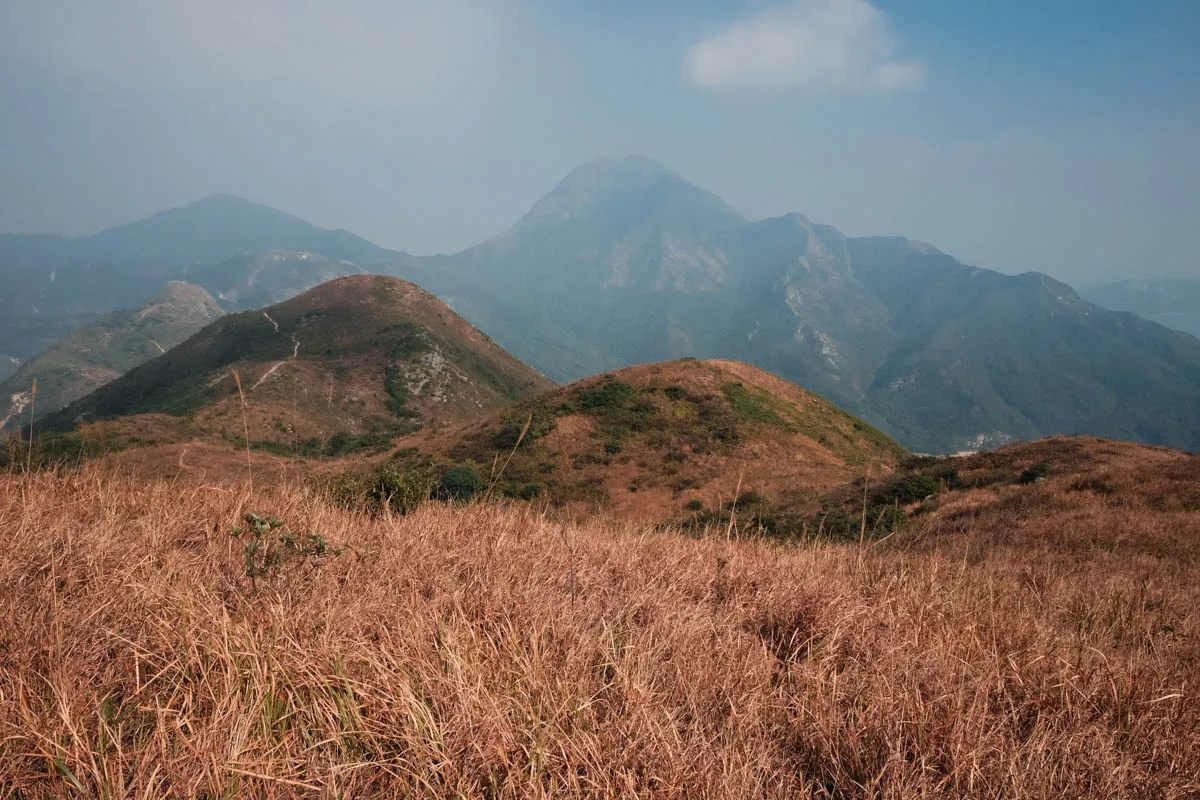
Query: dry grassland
[{"x": 490, "y": 651}]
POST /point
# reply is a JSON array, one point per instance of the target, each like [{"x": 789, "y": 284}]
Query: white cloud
[{"x": 811, "y": 44}]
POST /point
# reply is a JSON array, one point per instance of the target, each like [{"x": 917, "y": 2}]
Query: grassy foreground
[{"x": 488, "y": 651}]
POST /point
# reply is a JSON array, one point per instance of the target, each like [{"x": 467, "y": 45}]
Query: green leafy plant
[{"x": 267, "y": 545}]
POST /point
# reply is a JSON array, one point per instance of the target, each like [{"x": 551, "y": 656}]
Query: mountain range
[{"x": 626, "y": 262}]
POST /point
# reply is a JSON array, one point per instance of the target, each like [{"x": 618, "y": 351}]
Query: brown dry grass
[{"x": 490, "y": 652}]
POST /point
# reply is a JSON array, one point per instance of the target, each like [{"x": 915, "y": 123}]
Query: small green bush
[
  {"x": 385, "y": 487},
  {"x": 532, "y": 491},
  {"x": 906, "y": 489},
  {"x": 608, "y": 395},
  {"x": 1039, "y": 471},
  {"x": 460, "y": 483},
  {"x": 267, "y": 544}
]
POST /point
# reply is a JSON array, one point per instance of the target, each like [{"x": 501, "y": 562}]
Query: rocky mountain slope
[
  {"x": 344, "y": 366},
  {"x": 104, "y": 350}
]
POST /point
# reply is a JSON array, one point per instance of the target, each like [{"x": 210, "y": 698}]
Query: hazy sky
[{"x": 1052, "y": 135}]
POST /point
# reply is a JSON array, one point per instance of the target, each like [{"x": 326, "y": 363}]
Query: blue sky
[{"x": 1054, "y": 136}]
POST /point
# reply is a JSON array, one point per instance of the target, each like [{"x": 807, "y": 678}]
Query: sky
[{"x": 1051, "y": 135}]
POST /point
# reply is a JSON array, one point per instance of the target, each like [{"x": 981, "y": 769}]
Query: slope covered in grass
[
  {"x": 486, "y": 651},
  {"x": 653, "y": 440}
]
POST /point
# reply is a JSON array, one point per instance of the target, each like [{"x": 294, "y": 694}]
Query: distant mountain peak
[{"x": 634, "y": 188}]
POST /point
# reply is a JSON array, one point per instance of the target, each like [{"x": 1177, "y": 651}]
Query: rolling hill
[
  {"x": 663, "y": 441},
  {"x": 344, "y": 366},
  {"x": 104, "y": 350}
]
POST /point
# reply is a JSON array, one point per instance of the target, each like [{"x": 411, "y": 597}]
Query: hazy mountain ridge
[
  {"x": 1174, "y": 303},
  {"x": 51, "y": 285},
  {"x": 103, "y": 350}
]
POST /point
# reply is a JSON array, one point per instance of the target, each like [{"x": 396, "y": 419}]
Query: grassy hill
[
  {"x": 661, "y": 441},
  {"x": 344, "y": 366},
  {"x": 104, "y": 350}
]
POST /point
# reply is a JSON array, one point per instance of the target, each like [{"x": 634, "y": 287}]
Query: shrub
[
  {"x": 906, "y": 489},
  {"x": 612, "y": 447},
  {"x": 267, "y": 544},
  {"x": 385, "y": 487},
  {"x": 695, "y": 504},
  {"x": 460, "y": 483},
  {"x": 1039, "y": 471},
  {"x": 532, "y": 491},
  {"x": 608, "y": 395},
  {"x": 675, "y": 392}
]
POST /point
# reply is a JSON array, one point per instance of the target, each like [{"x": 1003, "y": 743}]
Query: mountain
[
  {"x": 52, "y": 285},
  {"x": 662, "y": 441},
  {"x": 625, "y": 262},
  {"x": 103, "y": 350},
  {"x": 1173, "y": 303},
  {"x": 346, "y": 365}
]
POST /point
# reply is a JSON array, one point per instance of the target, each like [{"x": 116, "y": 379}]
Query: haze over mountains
[{"x": 625, "y": 262}]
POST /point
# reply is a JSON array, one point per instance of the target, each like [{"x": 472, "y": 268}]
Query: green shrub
[
  {"x": 906, "y": 489},
  {"x": 460, "y": 483},
  {"x": 1039, "y": 471},
  {"x": 675, "y": 393},
  {"x": 695, "y": 504},
  {"x": 267, "y": 544},
  {"x": 612, "y": 447},
  {"x": 532, "y": 491},
  {"x": 385, "y": 487},
  {"x": 608, "y": 395}
]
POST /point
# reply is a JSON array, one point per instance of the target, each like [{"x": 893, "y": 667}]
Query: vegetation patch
[{"x": 753, "y": 405}]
